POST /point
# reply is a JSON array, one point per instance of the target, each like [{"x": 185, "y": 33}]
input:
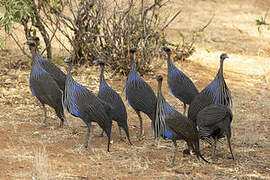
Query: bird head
[
  {"x": 133, "y": 49},
  {"x": 99, "y": 62},
  {"x": 166, "y": 49},
  {"x": 68, "y": 60},
  {"x": 223, "y": 56},
  {"x": 158, "y": 77},
  {"x": 32, "y": 41}
]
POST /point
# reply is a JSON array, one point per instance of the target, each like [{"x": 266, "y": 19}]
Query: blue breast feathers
[
  {"x": 133, "y": 76},
  {"x": 37, "y": 71},
  {"x": 133, "y": 80},
  {"x": 174, "y": 74},
  {"x": 171, "y": 90},
  {"x": 33, "y": 92},
  {"x": 167, "y": 134},
  {"x": 213, "y": 88},
  {"x": 167, "y": 109},
  {"x": 74, "y": 90},
  {"x": 74, "y": 112},
  {"x": 104, "y": 87}
]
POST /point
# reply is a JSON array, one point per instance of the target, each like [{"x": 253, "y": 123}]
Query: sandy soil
[{"x": 30, "y": 150}]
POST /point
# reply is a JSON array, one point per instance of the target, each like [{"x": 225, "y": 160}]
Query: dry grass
[
  {"x": 65, "y": 157},
  {"x": 28, "y": 150},
  {"x": 41, "y": 166}
]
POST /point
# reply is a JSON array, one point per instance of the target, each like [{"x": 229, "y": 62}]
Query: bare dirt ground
[{"x": 30, "y": 150}]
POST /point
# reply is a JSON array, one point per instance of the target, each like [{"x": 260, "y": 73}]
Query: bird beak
[
  {"x": 28, "y": 42},
  {"x": 67, "y": 59}
]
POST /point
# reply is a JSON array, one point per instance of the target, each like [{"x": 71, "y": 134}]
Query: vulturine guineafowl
[
  {"x": 139, "y": 94},
  {"x": 43, "y": 85},
  {"x": 214, "y": 121},
  {"x": 82, "y": 103},
  {"x": 218, "y": 88},
  {"x": 179, "y": 84},
  {"x": 216, "y": 92},
  {"x": 107, "y": 94},
  {"x": 171, "y": 124},
  {"x": 58, "y": 75}
]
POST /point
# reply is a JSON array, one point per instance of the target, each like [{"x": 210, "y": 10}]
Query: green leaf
[
  {"x": 3, "y": 9},
  {"x": 34, "y": 32}
]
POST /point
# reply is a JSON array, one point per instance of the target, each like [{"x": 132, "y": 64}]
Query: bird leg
[
  {"x": 88, "y": 136},
  {"x": 61, "y": 123},
  {"x": 127, "y": 134},
  {"x": 120, "y": 134},
  {"x": 174, "y": 153},
  {"x": 214, "y": 146},
  {"x": 65, "y": 123},
  {"x": 141, "y": 124},
  {"x": 185, "y": 107},
  {"x": 63, "y": 120},
  {"x": 229, "y": 143},
  {"x": 187, "y": 151},
  {"x": 45, "y": 114},
  {"x": 157, "y": 142},
  {"x": 228, "y": 134}
]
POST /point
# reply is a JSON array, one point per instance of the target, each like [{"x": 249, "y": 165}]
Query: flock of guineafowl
[{"x": 208, "y": 118}]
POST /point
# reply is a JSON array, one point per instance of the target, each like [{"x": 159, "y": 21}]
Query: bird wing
[
  {"x": 181, "y": 126},
  {"x": 89, "y": 107},
  {"x": 181, "y": 86},
  {"x": 58, "y": 75},
  {"x": 107, "y": 94},
  {"x": 200, "y": 102},
  {"x": 211, "y": 115},
  {"x": 141, "y": 96},
  {"x": 46, "y": 89}
]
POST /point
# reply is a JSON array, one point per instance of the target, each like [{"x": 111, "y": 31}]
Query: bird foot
[{"x": 186, "y": 151}]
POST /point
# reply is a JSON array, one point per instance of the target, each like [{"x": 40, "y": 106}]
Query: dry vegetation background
[{"x": 28, "y": 150}]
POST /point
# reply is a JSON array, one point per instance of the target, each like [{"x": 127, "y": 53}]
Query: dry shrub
[
  {"x": 41, "y": 168},
  {"x": 100, "y": 29},
  {"x": 107, "y": 29}
]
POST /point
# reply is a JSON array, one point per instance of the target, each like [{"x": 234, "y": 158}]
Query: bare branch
[
  {"x": 205, "y": 26},
  {"x": 18, "y": 44},
  {"x": 162, "y": 29}
]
